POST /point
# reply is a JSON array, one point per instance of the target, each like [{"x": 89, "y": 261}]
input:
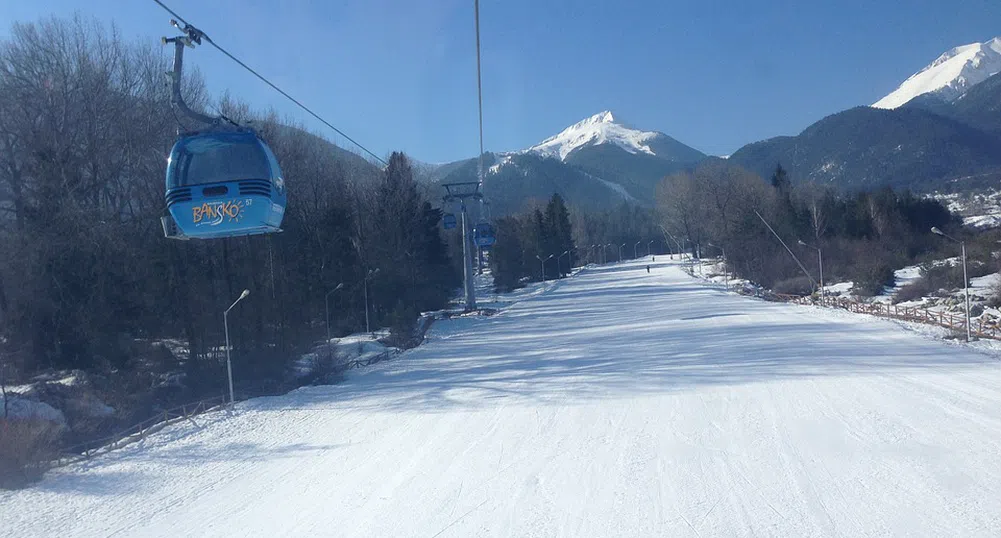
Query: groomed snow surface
[{"x": 614, "y": 403}]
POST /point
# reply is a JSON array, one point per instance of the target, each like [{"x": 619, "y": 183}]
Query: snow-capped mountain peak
[
  {"x": 600, "y": 128},
  {"x": 951, "y": 75},
  {"x": 601, "y": 117}
]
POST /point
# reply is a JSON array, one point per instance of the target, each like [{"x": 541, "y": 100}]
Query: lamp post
[
  {"x": 820, "y": 263},
  {"x": 966, "y": 281},
  {"x": 543, "y": 261},
  {"x": 726, "y": 273},
  {"x": 559, "y": 267},
  {"x": 636, "y": 246},
  {"x": 371, "y": 273},
  {"x": 620, "y": 251},
  {"x": 648, "y": 245},
  {"x": 326, "y": 306},
  {"x": 225, "y": 322}
]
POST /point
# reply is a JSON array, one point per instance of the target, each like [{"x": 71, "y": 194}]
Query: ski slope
[{"x": 614, "y": 403}]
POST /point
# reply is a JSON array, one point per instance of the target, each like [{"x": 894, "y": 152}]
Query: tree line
[
  {"x": 547, "y": 241},
  {"x": 863, "y": 235},
  {"x": 87, "y": 279}
]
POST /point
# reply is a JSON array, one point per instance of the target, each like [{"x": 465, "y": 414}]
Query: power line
[{"x": 276, "y": 88}]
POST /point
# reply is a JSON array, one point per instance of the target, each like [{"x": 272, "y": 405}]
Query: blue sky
[{"x": 397, "y": 74}]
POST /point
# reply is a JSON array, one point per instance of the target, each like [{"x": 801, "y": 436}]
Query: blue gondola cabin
[
  {"x": 223, "y": 184},
  {"x": 483, "y": 235}
]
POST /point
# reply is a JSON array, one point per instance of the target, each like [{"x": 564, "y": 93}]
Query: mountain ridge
[{"x": 951, "y": 75}]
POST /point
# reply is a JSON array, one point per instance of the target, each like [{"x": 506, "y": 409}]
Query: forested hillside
[
  {"x": 87, "y": 279},
  {"x": 864, "y": 236}
]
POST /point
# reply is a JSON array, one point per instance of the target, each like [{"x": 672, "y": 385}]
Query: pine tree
[
  {"x": 507, "y": 263},
  {"x": 558, "y": 229},
  {"x": 780, "y": 179},
  {"x": 406, "y": 247}
]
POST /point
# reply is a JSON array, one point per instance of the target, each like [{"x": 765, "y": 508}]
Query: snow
[
  {"x": 598, "y": 129},
  {"x": 983, "y": 221},
  {"x": 615, "y": 187},
  {"x": 22, "y": 408},
  {"x": 981, "y": 210},
  {"x": 840, "y": 288},
  {"x": 361, "y": 347},
  {"x": 951, "y": 75},
  {"x": 906, "y": 276},
  {"x": 613, "y": 403},
  {"x": 504, "y": 160},
  {"x": 59, "y": 378},
  {"x": 983, "y": 283}
]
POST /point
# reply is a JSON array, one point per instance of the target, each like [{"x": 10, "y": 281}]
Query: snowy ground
[
  {"x": 615, "y": 403},
  {"x": 980, "y": 210}
]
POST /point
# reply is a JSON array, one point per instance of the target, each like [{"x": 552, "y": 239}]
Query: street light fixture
[
  {"x": 648, "y": 245},
  {"x": 326, "y": 306},
  {"x": 371, "y": 273},
  {"x": 225, "y": 322},
  {"x": 636, "y": 246},
  {"x": 620, "y": 251},
  {"x": 543, "y": 261},
  {"x": 820, "y": 263},
  {"x": 966, "y": 281},
  {"x": 559, "y": 267}
]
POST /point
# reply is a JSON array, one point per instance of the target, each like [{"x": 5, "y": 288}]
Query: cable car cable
[
  {"x": 479, "y": 89},
  {"x": 281, "y": 91}
]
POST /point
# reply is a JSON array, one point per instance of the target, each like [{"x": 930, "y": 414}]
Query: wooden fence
[
  {"x": 984, "y": 326},
  {"x": 138, "y": 432},
  {"x": 359, "y": 362}
]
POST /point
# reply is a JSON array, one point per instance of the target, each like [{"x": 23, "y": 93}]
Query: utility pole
[
  {"x": 326, "y": 306},
  {"x": 966, "y": 281},
  {"x": 460, "y": 192},
  {"x": 371, "y": 273},
  {"x": 820, "y": 262}
]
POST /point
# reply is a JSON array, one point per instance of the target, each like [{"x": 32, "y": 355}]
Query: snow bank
[
  {"x": 355, "y": 347},
  {"x": 22, "y": 408}
]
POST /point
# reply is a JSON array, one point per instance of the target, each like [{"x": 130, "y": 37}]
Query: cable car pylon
[{"x": 460, "y": 192}]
